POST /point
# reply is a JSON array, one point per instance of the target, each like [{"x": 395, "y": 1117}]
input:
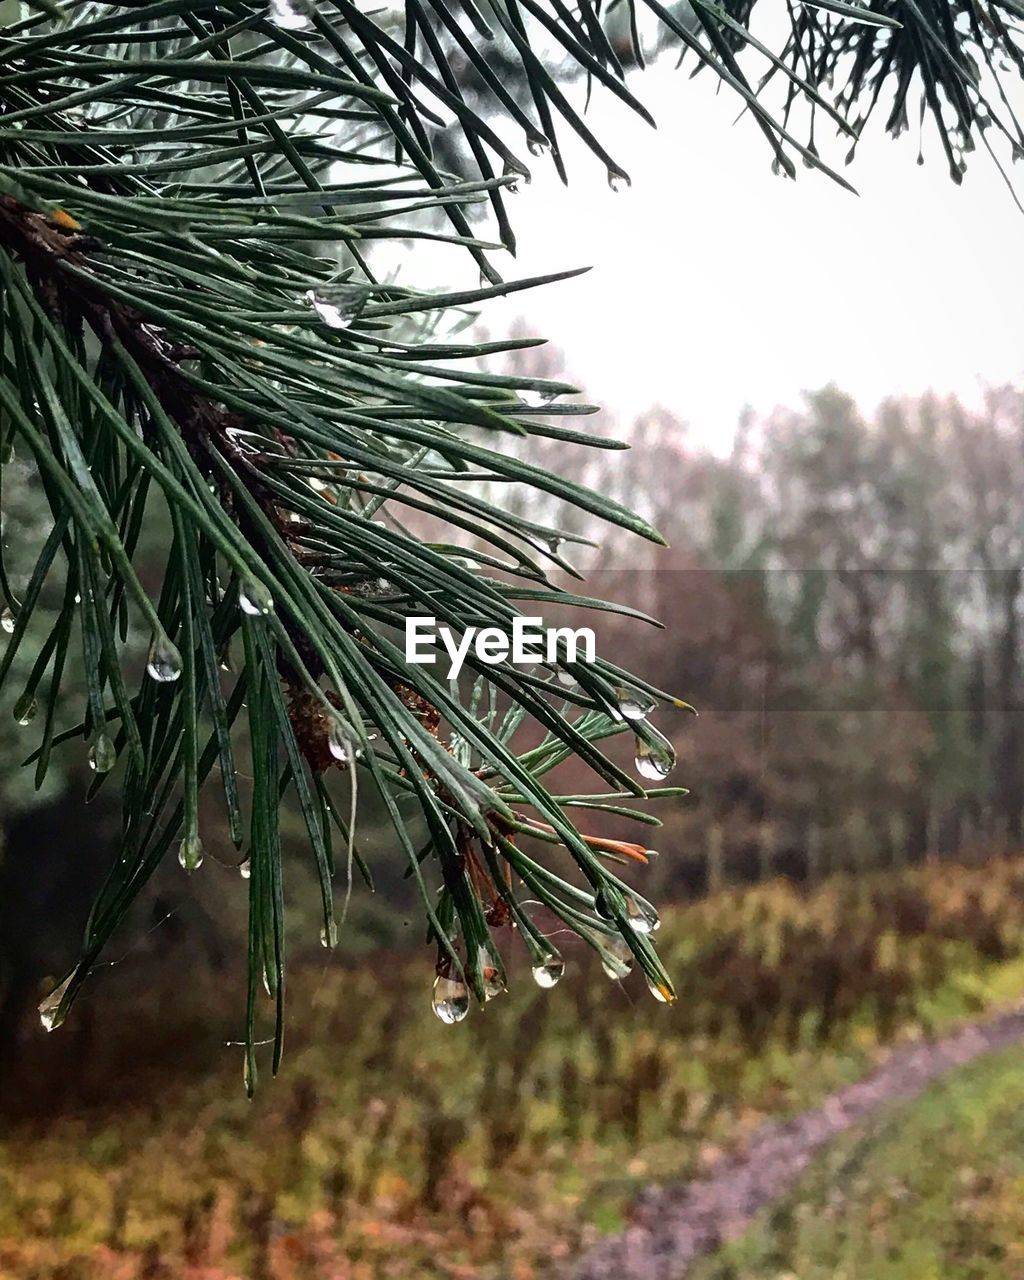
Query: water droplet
[
  {"x": 654, "y": 760},
  {"x": 538, "y": 146},
  {"x": 642, "y": 916},
  {"x": 450, "y": 1000},
  {"x": 616, "y": 958},
  {"x": 290, "y": 15},
  {"x": 548, "y": 972},
  {"x": 338, "y": 745},
  {"x": 661, "y": 991},
  {"x": 618, "y": 181},
  {"x": 634, "y": 705},
  {"x": 7, "y": 621},
  {"x": 329, "y": 936},
  {"x": 245, "y": 869},
  {"x": 6, "y": 452},
  {"x": 164, "y": 662},
  {"x": 336, "y": 305},
  {"x": 566, "y": 678},
  {"x": 102, "y": 754},
  {"x": 191, "y": 853},
  {"x": 602, "y": 905},
  {"x": 534, "y": 399},
  {"x": 25, "y": 709},
  {"x": 493, "y": 979},
  {"x": 254, "y": 598},
  {"x": 50, "y": 1013}
]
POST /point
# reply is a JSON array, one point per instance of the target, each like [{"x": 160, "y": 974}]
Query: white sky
[{"x": 717, "y": 284}]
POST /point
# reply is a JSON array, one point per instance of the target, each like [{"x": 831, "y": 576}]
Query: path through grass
[{"x": 930, "y": 1191}]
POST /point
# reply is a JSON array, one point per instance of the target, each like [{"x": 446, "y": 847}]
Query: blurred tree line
[{"x": 842, "y": 602}]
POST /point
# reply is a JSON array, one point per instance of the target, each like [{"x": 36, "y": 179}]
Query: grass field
[
  {"x": 931, "y": 1191},
  {"x": 393, "y": 1146}
]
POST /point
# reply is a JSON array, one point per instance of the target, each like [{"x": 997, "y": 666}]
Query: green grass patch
[{"x": 933, "y": 1190}]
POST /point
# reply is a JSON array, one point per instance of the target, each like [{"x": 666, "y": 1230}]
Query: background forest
[{"x": 842, "y": 598}]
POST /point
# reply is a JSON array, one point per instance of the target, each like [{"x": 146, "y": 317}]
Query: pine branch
[{"x": 190, "y": 197}]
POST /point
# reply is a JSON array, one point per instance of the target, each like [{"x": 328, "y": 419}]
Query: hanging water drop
[
  {"x": 450, "y": 1000},
  {"x": 538, "y": 146},
  {"x": 602, "y": 906},
  {"x": 164, "y": 662},
  {"x": 50, "y": 1013},
  {"x": 191, "y": 853},
  {"x": 336, "y": 305},
  {"x": 661, "y": 991},
  {"x": 548, "y": 972},
  {"x": 102, "y": 754},
  {"x": 25, "y": 709},
  {"x": 493, "y": 980},
  {"x": 338, "y": 745},
  {"x": 616, "y": 958},
  {"x": 633, "y": 705},
  {"x": 654, "y": 760},
  {"x": 515, "y": 172},
  {"x": 329, "y": 935},
  {"x": 245, "y": 869},
  {"x": 566, "y": 678},
  {"x": 6, "y": 452},
  {"x": 618, "y": 180},
  {"x": 290, "y": 15},
  {"x": 254, "y": 598},
  {"x": 7, "y": 621},
  {"x": 535, "y": 399},
  {"x": 642, "y": 916}
]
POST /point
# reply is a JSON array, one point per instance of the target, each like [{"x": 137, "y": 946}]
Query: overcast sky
[{"x": 717, "y": 284}]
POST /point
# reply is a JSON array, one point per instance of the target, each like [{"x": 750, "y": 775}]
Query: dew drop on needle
[
  {"x": 450, "y": 1000},
  {"x": 548, "y": 972},
  {"x": 191, "y": 853},
  {"x": 164, "y": 662}
]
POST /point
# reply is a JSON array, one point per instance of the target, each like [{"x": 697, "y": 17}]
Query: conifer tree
[{"x": 195, "y": 330}]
